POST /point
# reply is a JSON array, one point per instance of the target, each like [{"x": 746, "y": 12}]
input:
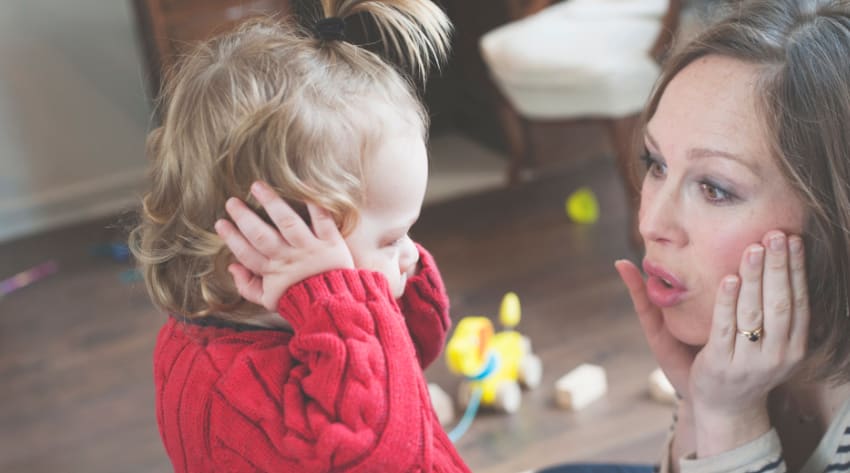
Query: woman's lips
[{"x": 662, "y": 288}]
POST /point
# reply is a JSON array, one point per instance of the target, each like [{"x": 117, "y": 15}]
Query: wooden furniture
[
  {"x": 462, "y": 96},
  {"x": 518, "y": 127},
  {"x": 166, "y": 27},
  {"x": 523, "y": 129},
  {"x": 473, "y": 107}
]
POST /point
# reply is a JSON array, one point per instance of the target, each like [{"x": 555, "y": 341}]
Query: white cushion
[
  {"x": 555, "y": 65},
  {"x": 611, "y": 8}
]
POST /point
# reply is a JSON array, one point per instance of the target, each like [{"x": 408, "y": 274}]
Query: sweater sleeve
[
  {"x": 355, "y": 398},
  {"x": 425, "y": 306},
  {"x": 763, "y": 455}
]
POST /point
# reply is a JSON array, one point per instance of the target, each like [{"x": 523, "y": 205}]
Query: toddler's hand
[{"x": 273, "y": 259}]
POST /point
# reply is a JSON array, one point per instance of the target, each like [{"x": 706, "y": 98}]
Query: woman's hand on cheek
[
  {"x": 674, "y": 357},
  {"x": 271, "y": 259},
  {"x": 758, "y": 336}
]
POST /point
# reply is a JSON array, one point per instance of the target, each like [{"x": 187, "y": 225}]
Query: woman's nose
[{"x": 659, "y": 219}]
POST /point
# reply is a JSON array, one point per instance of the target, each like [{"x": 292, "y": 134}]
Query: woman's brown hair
[
  {"x": 278, "y": 102},
  {"x": 802, "y": 50}
]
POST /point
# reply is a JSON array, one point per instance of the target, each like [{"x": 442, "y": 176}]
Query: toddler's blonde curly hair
[{"x": 271, "y": 101}]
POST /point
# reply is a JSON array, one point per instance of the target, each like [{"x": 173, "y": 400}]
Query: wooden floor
[{"x": 75, "y": 348}]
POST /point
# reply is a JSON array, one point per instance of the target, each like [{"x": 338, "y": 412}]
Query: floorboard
[{"x": 75, "y": 348}]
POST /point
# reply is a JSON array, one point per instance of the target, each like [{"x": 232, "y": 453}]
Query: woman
[{"x": 745, "y": 216}]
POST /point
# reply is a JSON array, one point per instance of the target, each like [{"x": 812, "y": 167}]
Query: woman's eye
[
  {"x": 653, "y": 166},
  {"x": 714, "y": 193}
]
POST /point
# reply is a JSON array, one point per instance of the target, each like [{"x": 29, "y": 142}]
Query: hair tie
[{"x": 331, "y": 29}]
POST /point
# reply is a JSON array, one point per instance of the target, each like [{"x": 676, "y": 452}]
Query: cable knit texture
[{"x": 344, "y": 392}]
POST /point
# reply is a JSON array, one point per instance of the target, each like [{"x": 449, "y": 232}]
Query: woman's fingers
[
  {"x": 778, "y": 300},
  {"x": 241, "y": 247},
  {"x": 750, "y": 315},
  {"x": 258, "y": 233},
  {"x": 674, "y": 356},
  {"x": 649, "y": 315},
  {"x": 290, "y": 225},
  {"x": 721, "y": 340},
  {"x": 631, "y": 276},
  {"x": 799, "y": 324}
]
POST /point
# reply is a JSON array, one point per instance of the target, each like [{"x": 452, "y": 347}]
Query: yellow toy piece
[
  {"x": 496, "y": 363},
  {"x": 509, "y": 312},
  {"x": 582, "y": 206}
]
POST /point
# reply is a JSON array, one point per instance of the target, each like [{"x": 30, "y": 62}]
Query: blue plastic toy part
[{"x": 468, "y": 416}]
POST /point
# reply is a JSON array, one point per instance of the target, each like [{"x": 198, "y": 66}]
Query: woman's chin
[{"x": 686, "y": 329}]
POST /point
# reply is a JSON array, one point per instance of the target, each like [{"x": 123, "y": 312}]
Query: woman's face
[{"x": 711, "y": 189}]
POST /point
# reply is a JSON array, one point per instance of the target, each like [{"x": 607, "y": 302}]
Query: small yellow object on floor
[
  {"x": 581, "y": 386},
  {"x": 582, "y": 206}
]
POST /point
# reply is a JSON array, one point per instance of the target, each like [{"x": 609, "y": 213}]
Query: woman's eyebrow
[
  {"x": 698, "y": 153},
  {"x": 701, "y": 152},
  {"x": 650, "y": 138}
]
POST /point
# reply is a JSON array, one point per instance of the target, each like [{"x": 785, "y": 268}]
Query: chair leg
[
  {"x": 516, "y": 137},
  {"x": 622, "y": 132}
]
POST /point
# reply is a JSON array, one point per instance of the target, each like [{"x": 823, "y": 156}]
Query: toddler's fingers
[
  {"x": 799, "y": 331},
  {"x": 247, "y": 283},
  {"x": 323, "y": 223},
  {"x": 247, "y": 255},
  {"x": 258, "y": 233},
  {"x": 290, "y": 225}
]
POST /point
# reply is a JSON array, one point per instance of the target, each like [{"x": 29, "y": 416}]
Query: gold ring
[{"x": 751, "y": 335}]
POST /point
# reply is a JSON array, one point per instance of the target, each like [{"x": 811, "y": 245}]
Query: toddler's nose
[{"x": 409, "y": 256}]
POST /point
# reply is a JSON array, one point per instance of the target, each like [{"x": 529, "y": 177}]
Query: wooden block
[
  {"x": 660, "y": 388},
  {"x": 581, "y": 386}
]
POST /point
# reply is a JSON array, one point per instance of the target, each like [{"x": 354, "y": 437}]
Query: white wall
[{"x": 73, "y": 112}]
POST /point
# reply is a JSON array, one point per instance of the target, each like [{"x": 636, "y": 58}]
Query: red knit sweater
[{"x": 344, "y": 392}]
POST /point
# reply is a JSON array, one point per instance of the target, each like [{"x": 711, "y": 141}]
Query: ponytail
[{"x": 415, "y": 31}]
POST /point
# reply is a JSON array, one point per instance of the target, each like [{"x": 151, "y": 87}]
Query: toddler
[{"x": 297, "y": 337}]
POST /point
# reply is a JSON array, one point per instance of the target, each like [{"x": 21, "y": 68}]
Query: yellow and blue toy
[{"x": 494, "y": 364}]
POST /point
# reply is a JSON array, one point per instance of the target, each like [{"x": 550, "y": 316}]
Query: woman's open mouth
[{"x": 662, "y": 288}]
